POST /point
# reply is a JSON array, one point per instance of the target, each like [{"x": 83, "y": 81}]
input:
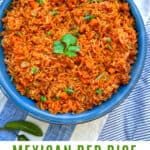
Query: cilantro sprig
[
  {"x": 66, "y": 46},
  {"x": 41, "y": 2},
  {"x": 69, "y": 90},
  {"x": 99, "y": 76},
  {"x": 54, "y": 12},
  {"x": 99, "y": 91},
  {"x": 88, "y": 17}
]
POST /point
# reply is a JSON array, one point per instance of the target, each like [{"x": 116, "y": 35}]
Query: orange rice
[{"x": 108, "y": 47}]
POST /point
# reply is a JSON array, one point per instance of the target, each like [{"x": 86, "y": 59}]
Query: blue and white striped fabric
[{"x": 129, "y": 121}]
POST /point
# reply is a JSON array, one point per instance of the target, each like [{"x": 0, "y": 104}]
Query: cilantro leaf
[
  {"x": 109, "y": 47},
  {"x": 66, "y": 46},
  {"x": 58, "y": 47},
  {"x": 99, "y": 91},
  {"x": 27, "y": 90},
  {"x": 74, "y": 48},
  {"x": 89, "y": 17},
  {"x": 43, "y": 98},
  {"x": 99, "y": 76},
  {"x": 40, "y": 2},
  {"x": 48, "y": 33},
  {"x": 19, "y": 33},
  {"x": 108, "y": 39},
  {"x": 54, "y": 13},
  {"x": 56, "y": 98},
  {"x": 68, "y": 90},
  {"x": 70, "y": 54},
  {"x": 69, "y": 39},
  {"x": 34, "y": 70}
]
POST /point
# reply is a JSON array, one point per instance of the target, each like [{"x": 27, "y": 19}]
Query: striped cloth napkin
[{"x": 132, "y": 117}]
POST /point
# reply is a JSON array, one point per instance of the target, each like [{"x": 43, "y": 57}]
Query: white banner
[{"x": 74, "y": 145}]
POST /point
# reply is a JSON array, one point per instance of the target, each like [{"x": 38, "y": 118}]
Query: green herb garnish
[
  {"x": 67, "y": 46},
  {"x": 70, "y": 54},
  {"x": 129, "y": 46},
  {"x": 106, "y": 78},
  {"x": 88, "y": 17},
  {"x": 74, "y": 26},
  {"x": 19, "y": 33},
  {"x": 99, "y": 76},
  {"x": 76, "y": 33},
  {"x": 41, "y": 2},
  {"x": 27, "y": 90},
  {"x": 48, "y": 33},
  {"x": 99, "y": 91},
  {"x": 54, "y": 12},
  {"x": 108, "y": 39},
  {"x": 99, "y": 1},
  {"x": 74, "y": 48},
  {"x": 56, "y": 98},
  {"x": 43, "y": 98},
  {"x": 109, "y": 47},
  {"x": 97, "y": 35},
  {"x": 58, "y": 47},
  {"x": 69, "y": 39},
  {"x": 68, "y": 90},
  {"x": 34, "y": 70},
  {"x": 6, "y": 27}
]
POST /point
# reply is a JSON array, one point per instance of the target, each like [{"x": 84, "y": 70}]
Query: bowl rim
[{"x": 86, "y": 116}]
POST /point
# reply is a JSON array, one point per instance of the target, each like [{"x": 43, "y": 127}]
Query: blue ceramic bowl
[{"x": 29, "y": 106}]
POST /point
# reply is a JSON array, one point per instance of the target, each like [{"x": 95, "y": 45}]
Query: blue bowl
[{"x": 98, "y": 111}]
